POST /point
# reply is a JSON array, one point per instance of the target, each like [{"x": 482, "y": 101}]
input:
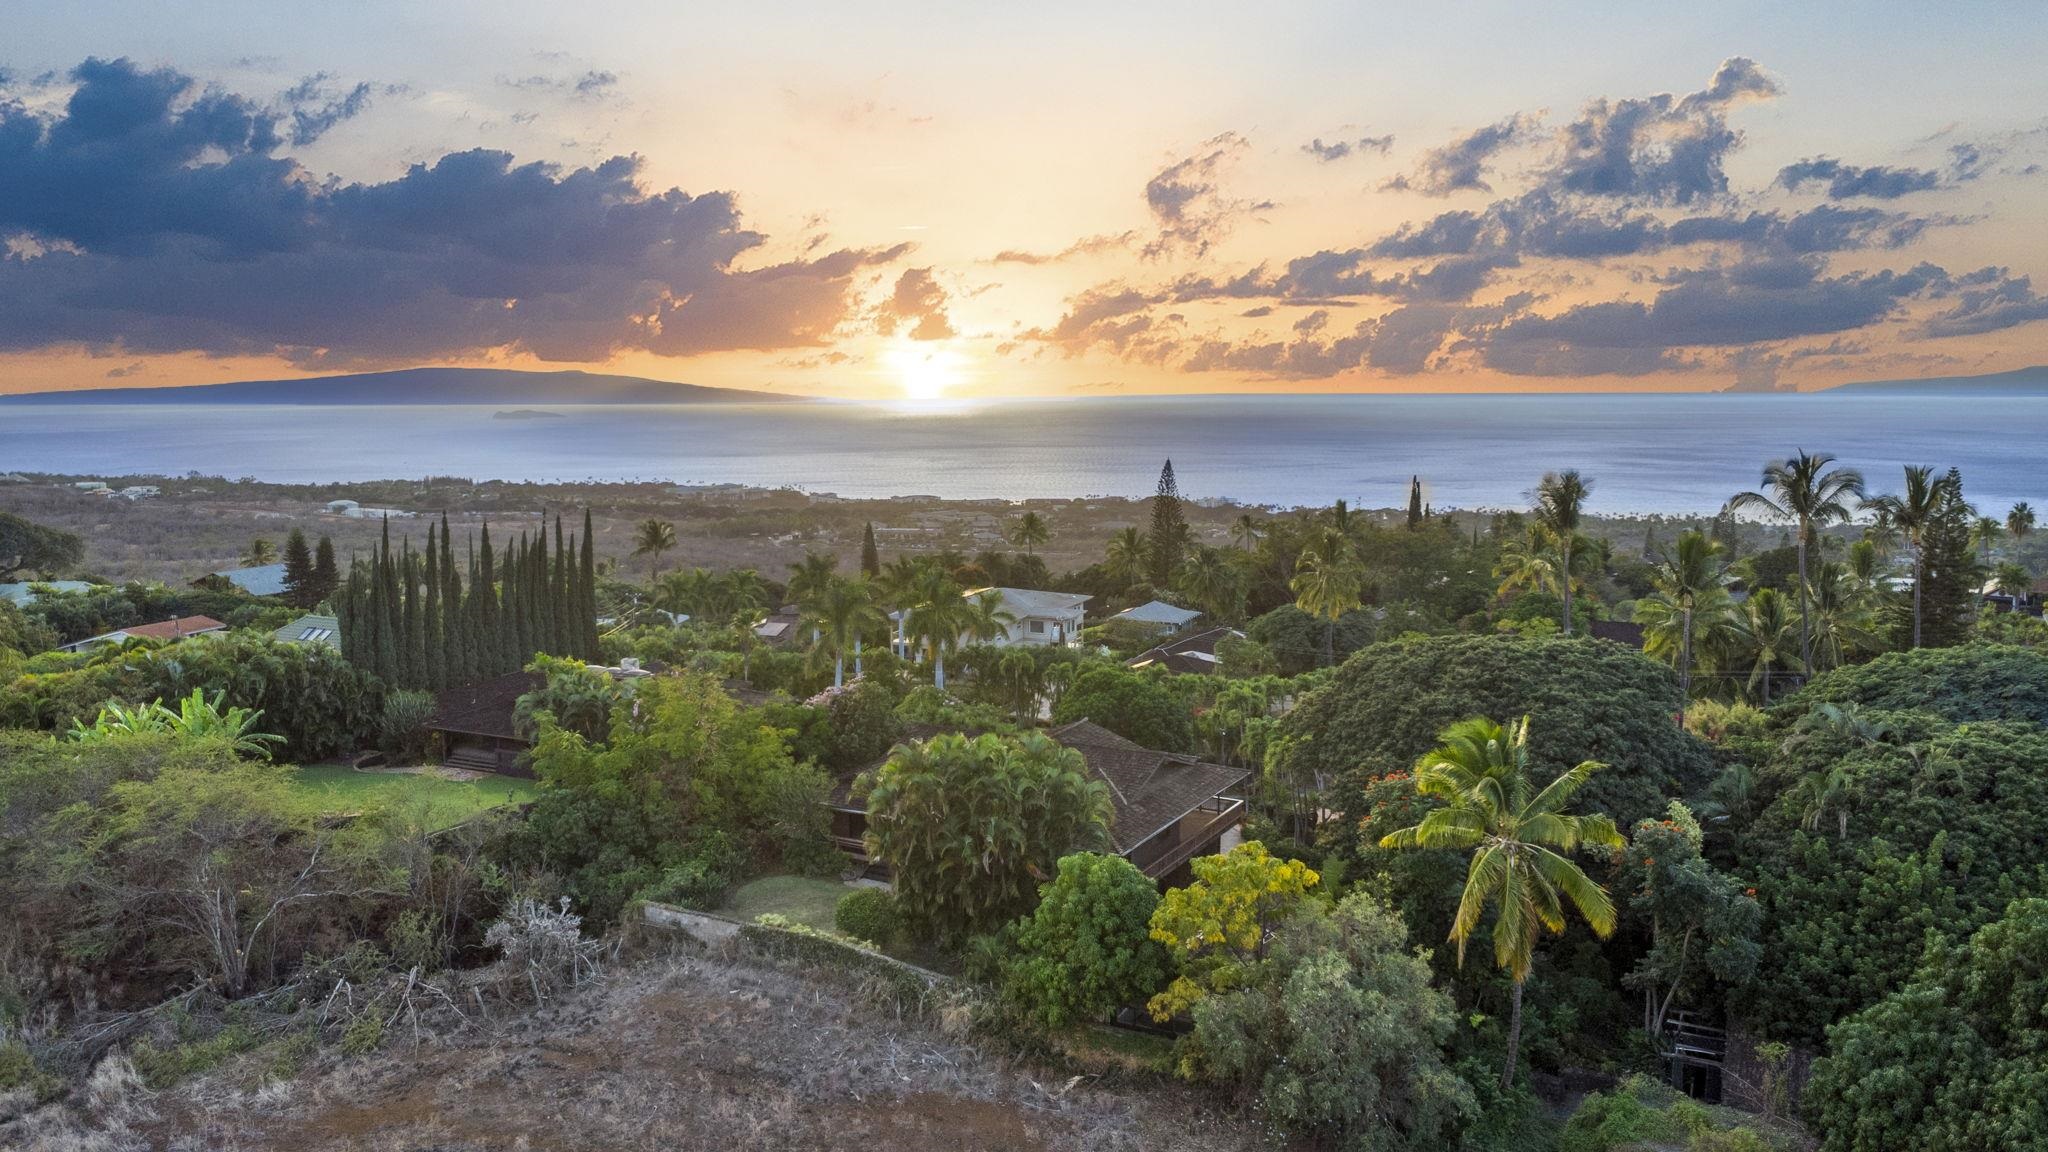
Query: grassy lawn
[
  {"x": 801, "y": 898},
  {"x": 331, "y": 789}
]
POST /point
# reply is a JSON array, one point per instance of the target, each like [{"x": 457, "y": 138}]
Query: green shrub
[
  {"x": 1087, "y": 948},
  {"x": 702, "y": 879},
  {"x": 163, "y": 1067},
  {"x": 402, "y": 729},
  {"x": 868, "y": 914},
  {"x": 363, "y": 1036},
  {"x": 1623, "y": 1117}
]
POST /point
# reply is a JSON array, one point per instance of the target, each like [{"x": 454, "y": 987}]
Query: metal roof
[
  {"x": 1159, "y": 612},
  {"x": 311, "y": 629},
  {"x": 262, "y": 580}
]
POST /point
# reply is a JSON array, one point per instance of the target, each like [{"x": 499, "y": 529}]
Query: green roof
[{"x": 312, "y": 630}]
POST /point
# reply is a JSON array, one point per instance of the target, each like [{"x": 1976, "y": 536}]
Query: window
[
  {"x": 1038, "y": 627},
  {"x": 313, "y": 634}
]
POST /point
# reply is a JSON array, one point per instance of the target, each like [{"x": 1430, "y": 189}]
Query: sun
[{"x": 925, "y": 371}]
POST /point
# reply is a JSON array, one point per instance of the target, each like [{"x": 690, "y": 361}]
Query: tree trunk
[
  {"x": 939, "y": 667},
  {"x": 1805, "y": 646},
  {"x": 1507, "y": 1074},
  {"x": 1919, "y": 578},
  {"x": 1564, "y": 581},
  {"x": 1685, "y": 669},
  {"x": 856, "y": 657},
  {"x": 1330, "y": 642},
  {"x": 839, "y": 670}
]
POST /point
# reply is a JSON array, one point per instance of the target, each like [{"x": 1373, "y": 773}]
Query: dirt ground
[{"x": 684, "y": 1054}]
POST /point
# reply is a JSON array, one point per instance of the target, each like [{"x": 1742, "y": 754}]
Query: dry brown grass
[{"x": 675, "y": 1053}]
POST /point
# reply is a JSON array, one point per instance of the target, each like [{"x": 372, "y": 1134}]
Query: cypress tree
[
  {"x": 326, "y": 577},
  {"x": 559, "y": 613},
  {"x": 1169, "y": 529},
  {"x": 412, "y": 655},
  {"x": 483, "y": 589},
  {"x": 298, "y": 572},
  {"x": 1414, "y": 502},
  {"x": 430, "y": 619},
  {"x": 1953, "y": 571},
  {"x": 586, "y": 611},
  {"x": 870, "y": 556}
]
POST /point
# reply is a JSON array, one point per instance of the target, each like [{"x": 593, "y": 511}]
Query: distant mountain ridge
[
  {"x": 2018, "y": 382},
  {"x": 497, "y": 386}
]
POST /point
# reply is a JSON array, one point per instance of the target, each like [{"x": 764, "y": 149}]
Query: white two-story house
[{"x": 1039, "y": 617}]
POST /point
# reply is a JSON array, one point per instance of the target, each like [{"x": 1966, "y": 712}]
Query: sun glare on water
[{"x": 925, "y": 373}]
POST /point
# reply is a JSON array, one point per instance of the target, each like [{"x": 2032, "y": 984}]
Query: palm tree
[
  {"x": 1030, "y": 532},
  {"x": 1560, "y": 500},
  {"x": 1692, "y": 580},
  {"x": 840, "y": 613},
  {"x": 1213, "y": 581},
  {"x": 939, "y": 614},
  {"x": 1914, "y": 511},
  {"x": 260, "y": 552},
  {"x": 2013, "y": 579},
  {"x": 1805, "y": 491},
  {"x": 1881, "y": 533},
  {"x": 1844, "y": 622},
  {"x": 1762, "y": 640},
  {"x": 687, "y": 592},
  {"x": 1536, "y": 562},
  {"x": 1128, "y": 557},
  {"x": 2019, "y": 522},
  {"x": 1245, "y": 530},
  {"x": 1985, "y": 531},
  {"x": 1326, "y": 587},
  {"x": 652, "y": 539},
  {"x": 810, "y": 577},
  {"x": 1520, "y": 847}
]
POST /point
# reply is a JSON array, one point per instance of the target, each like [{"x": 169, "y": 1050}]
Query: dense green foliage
[
  {"x": 1335, "y": 1033},
  {"x": 869, "y": 914},
  {"x": 1954, "y": 1059},
  {"x": 1972, "y": 682},
  {"x": 971, "y": 827},
  {"x": 1131, "y": 704},
  {"x": 1086, "y": 950},
  {"x": 1870, "y": 844},
  {"x": 26, "y": 546},
  {"x": 1386, "y": 706}
]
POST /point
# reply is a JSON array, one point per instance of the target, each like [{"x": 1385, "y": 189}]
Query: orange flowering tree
[{"x": 1702, "y": 923}]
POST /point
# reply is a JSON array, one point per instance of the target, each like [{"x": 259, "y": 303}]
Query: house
[
  {"x": 1194, "y": 652},
  {"x": 1624, "y": 632},
  {"x": 475, "y": 724},
  {"x": 24, "y": 593},
  {"x": 1159, "y": 615},
  {"x": 1039, "y": 617},
  {"x": 342, "y": 507},
  {"x": 311, "y": 630},
  {"x": 262, "y": 580},
  {"x": 782, "y": 628},
  {"x": 176, "y": 629},
  {"x": 140, "y": 492},
  {"x": 1167, "y": 808}
]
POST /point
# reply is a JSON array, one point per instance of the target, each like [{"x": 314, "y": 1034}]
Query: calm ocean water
[{"x": 1645, "y": 453}]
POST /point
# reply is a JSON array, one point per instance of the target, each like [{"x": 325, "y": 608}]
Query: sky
[{"x": 874, "y": 201}]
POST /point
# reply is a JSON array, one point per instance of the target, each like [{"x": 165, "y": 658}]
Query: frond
[
  {"x": 1587, "y": 896},
  {"x": 1559, "y": 792}
]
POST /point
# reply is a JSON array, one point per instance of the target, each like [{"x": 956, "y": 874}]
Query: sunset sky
[{"x": 869, "y": 200}]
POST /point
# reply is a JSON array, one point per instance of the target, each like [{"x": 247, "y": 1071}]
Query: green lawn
[
  {"x": 801, "y": 898},
  {"x": 331, "y": 789}
]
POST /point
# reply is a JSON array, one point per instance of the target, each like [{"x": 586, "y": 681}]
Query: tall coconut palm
[
  {"x": 651, "y": 539},
  {"x": 1914, "y": 511},
  {"x": 260, "y": 552},
  {"x": 1520, "y": 839},
  {"x": 1881, "y": 533},
  {"x": 1245, "y": 530},
  {"x": 1807, "y": 492},
  {"x": 1560, "y": 503},
  {"x": 1986, "y": 531},
  {"x": 1535, "y": 562},
  {"x": 2019, "y": 522},
  {"x": 2013, "y": 579},
  {"x": 809, "y": 578},
  {"x": 1761, "y": 641},
  {"x": 985, "y": 618},
  {"x": 939, "y": 615},
  {"x": 1213, "y": 581},
  {"x": 1693, "y": 581},
  {"x": 1030, "y": 532},
  {"x": 1128, "y": 555},
  {"x": 840, "y": 613},
  {"x": 1326, "y": 587},
  {"x": 1844, "y": 616}
]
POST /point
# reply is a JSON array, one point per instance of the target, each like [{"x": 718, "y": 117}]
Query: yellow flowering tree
[{"x": 1215, "y": 925}]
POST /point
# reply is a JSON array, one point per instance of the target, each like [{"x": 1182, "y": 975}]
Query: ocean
[{"x": 1644, "y": 453}]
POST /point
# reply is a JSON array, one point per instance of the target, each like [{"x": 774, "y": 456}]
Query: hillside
[
  {"x": 2018, "y": 382},
  {"x": 500, "y": 386}
]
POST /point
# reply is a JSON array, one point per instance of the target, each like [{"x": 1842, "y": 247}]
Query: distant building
[
  {"x": 342, "y": 507},
  {"x": 25, "y": 592},
  {"x": 782, "y": 628},
  {"x": 1192, "y": 653},
  {"x": 178, "y": 629},
  {"x": 1159, "y": 615},
  {"x": 89, "y": 485},
  {"x": 140, "y": 492},
  {"x": 1038, "y": 617},
  {"x": 262, "y": 580},
  {"x": 311, "y": 630},
  {"x": 355, "y": 511}
]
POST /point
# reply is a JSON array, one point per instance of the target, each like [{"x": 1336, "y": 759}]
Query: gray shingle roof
[
  {"x": 262, "y": 580},
  {"x": 1149, "y": 789},
  {"x": 1159, "y": 612},
  {"x": 312, "y": 630}
]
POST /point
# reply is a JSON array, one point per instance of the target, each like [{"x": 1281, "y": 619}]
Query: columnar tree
[
  {"x": 1169, "y": 535},
  {"x": 298, "y": 571}
]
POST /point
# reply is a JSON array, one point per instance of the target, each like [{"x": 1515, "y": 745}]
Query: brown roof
[
  {"x": 1194, "y": 652},
  {"x": 172, "y": 629},
  {"x": 1619, "y": 631},
  {"x": 1149, "y": 789},
  {"x": 484, "y": 708}
]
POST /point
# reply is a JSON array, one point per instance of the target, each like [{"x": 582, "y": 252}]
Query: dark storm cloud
[
  {"x": 1461, "y": 165},
  {"x": 154, "y": 214},
  {"x": 1339, "y": 149}
]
